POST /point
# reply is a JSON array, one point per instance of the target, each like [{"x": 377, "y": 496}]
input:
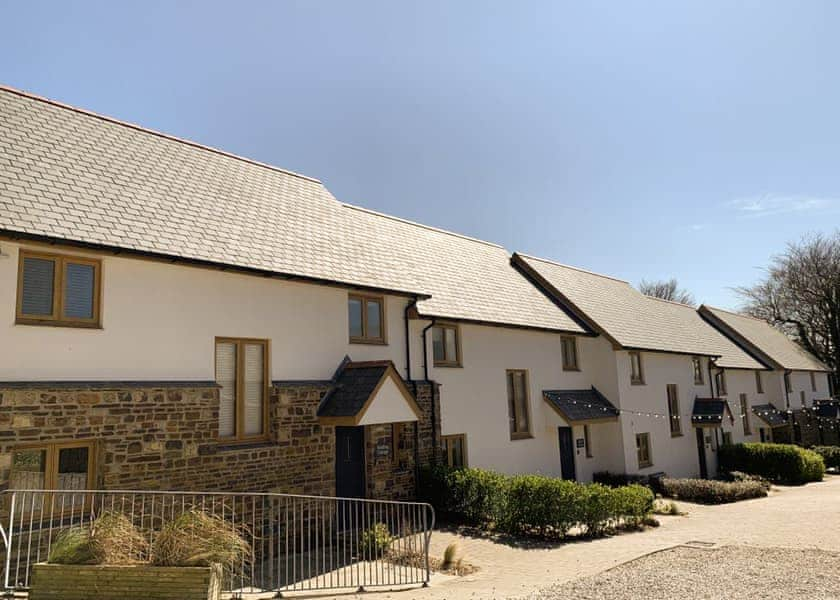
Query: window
[
  {"x": 455, "y": 447},
  {"x": 745, "y": 414},
  {"x": 637, "y": 376},
  {"x": 570, "y": 356},
  {"x": 396, "y": 441},
  {"x": 446, "y": 347},
  {"x": 517, "y": 387},
  {"x": 697, "y": 366},
  {"x": 674, "y": 410},
  {"x": 720, "y": 382},
  {"x": 643, "y": 450},
  {"x": 813, "y": 382},
  {"x": 367, "y": 319},
  {"x": 802, "y": 398},
  {"x": 242, "y": 374},
  {"x": 586, "y": 441},
  {"x": 57, "y": 466},
  {"x": 759, "y": 384},
  {"x": 727, "y": 438},
  {"x": 788, "y": 388},
  {"x": 54, "y": 289}
]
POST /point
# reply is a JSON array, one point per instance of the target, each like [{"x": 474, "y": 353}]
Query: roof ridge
[
  {"x": 669, "y": 301},
  {"x": 174, "y": 138},
  {"x": 559, "y": 264},
  {"x": 421, "y": 225},
  {"x": 736, "y": 314}
]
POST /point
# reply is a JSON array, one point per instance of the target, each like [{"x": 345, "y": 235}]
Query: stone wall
[
  {"x": 164, "y": 436},
  {"x": 427, "y": 394}
]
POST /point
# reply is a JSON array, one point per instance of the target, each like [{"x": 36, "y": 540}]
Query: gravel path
[{"x": 730, "y": 572}]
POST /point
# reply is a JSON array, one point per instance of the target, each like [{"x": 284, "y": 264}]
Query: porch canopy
[
  {"x": 580, "y": 407},
  {"x": 771, "y": 415},
  {"x": 709, "y": 412},
  {"x": 368, "y": 393}
]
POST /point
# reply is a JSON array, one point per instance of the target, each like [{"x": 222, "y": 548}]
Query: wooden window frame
[
  {"x": 239, "y": 400},
  {"x": 813, "y": 381},
  {"x": 364, "y": 338},
  {"x": 745, "y": 414},
  {"x": 674, "y": 411},
  {"x": 518, "y": 435},
  {"x": 648, "y": 462},
  {"x": 720, "y": 383},
  {"x": 759, "y": 384},
  {"x": 56, "y": 319},
  {"x": 52, "y": 450},
  {"x": 571, "y": 340},
  {"x": 587, "y": 441},
  {"x": 787, "y": 383},
  {"x": 447, "y": 362},
  {"x": 697, "y": 368},
  {"x": 640, "y": 380},
  {"x": 802, "y": 401},
  {"x": 449, "y": 448}
]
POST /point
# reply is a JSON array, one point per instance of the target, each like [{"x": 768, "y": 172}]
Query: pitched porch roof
[
  {"x": 708, "y": 412},
  {"x": 770, "y": 415},
  {"x": 368, "y": 393},
  {"x": 581, "y": 406}
]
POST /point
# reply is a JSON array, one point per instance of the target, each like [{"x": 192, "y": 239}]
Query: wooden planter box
[{"x": 135, "y": 582}]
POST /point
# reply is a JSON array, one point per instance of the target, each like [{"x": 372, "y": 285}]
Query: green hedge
[
  {"x": 830, "y": 455},
  {"x": 532, "y": 504},
  {"x": 710, "y": 491},
  {"x": 780, "y": 463}
]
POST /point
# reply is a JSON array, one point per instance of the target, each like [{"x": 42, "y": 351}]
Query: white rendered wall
[{"x": 159, "y": 322}]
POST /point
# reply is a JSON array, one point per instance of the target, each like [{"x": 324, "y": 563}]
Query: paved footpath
[{"x": 792, "y": 517}]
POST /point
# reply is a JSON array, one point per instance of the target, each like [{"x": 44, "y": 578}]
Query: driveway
[{"x": 790, "y": 517}]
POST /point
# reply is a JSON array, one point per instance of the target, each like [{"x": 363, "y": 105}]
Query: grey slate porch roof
[
  {"x": 709, "y": 411},
  {"x": 579, "y": 406},
  {"x": 770, "y": 415}
]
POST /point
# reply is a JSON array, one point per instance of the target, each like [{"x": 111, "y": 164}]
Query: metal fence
[{"x": 295, "y": 543}]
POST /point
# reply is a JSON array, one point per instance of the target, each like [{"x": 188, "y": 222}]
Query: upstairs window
[
  {"x": 517, "y": 385},
  {"x": 570, "y": 355},
  {"x": 788, "y": 388},
  {"x": 674, "y": 410},
  {"x": 813, "y": 382},
  {"x": 55, "y": 289},
  {"x": 720, "y": 382},
  {"x": 637, "y": 376},
  {"x": 242, "y": 375},
  {"x": 446, "y": 347},
  {"x": 366, "y": 316},
  {"x": 745, "y": 414},
  {"x": 697, "y": 366},
  {"x": 759, "y": 384},
  {"x": 802, "y": 398}
]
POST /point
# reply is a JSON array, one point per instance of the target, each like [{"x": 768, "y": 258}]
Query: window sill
[
  {"x": 44, "y": 323},
  {"x": 448, "y": 365},
  {"x": 638, "y": 382},
  {"x": 225, "y": 445},
  {"x": 521, "y": 436},
  {"x": 368, "y": 342},
  {"x": 645, "y": 465},
  {"x": 573, "y": 369},
  {"x": 676, "y": 435}
]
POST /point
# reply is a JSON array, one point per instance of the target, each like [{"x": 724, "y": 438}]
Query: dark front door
[
  {"x": 350, "y": 462},
  {"x": 701, "y": 453},
  {"x": 567, "y": 452}
]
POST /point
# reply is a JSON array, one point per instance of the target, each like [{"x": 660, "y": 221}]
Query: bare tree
[
  {"x": 666, "y": 290},
  {"x": 801, "y": 296}
]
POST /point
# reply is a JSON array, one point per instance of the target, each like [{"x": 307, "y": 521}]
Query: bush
[
  {"x": 710, "y": 491},
  {"x": 741, "y": 476},
  {"x": 376, "y": 540},
  {"x": 830, "y": 455},
  {"x": 780, "y": 463},
  {"x": 534, "y": 504},
  {"x": 111, "y": 539},
  {"x": 196, "y": 539},
  {"x": 623, "y": 479}
]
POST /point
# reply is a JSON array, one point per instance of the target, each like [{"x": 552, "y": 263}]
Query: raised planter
[{"x": 134, "y": 582}]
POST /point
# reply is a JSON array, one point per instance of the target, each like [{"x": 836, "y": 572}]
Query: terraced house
[{"x": 176, "y": 317}]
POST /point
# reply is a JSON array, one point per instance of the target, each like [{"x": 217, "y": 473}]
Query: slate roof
[
  {"x": 581, "y": 405},
  {"x": 68, "y": 174},
  {"x": 352, "y": 388},
  {"x": 634, "y": 320},
  {"x": 762, "y": 336},
  {"x": 709, "y": 411},
  {"x": 769, "y": 414}
]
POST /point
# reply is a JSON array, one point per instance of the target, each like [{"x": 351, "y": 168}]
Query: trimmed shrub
[
  {"x": 830, "y": 455},
  {"x": 710, "y": 491},
  {"x": 196, "y": 539},
  {"x": 623, "y": 479},
  {"x": 111, "y": 539},
  {"x": 780, "y": 463},
  {"x": 534, "y": 504}
]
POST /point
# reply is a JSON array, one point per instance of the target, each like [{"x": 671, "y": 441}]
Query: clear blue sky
[{"x": 638, "y": 139}]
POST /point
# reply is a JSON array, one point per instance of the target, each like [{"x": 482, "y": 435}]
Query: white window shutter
[
  {"x": 226, "y": 378},
  {"x": 254, "y": 388}
]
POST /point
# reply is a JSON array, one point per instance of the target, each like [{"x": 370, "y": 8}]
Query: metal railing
[{"x": 295, "y": 543}]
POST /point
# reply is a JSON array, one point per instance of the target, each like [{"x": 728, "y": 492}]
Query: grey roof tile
[{"x": 581, "y": 405}]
